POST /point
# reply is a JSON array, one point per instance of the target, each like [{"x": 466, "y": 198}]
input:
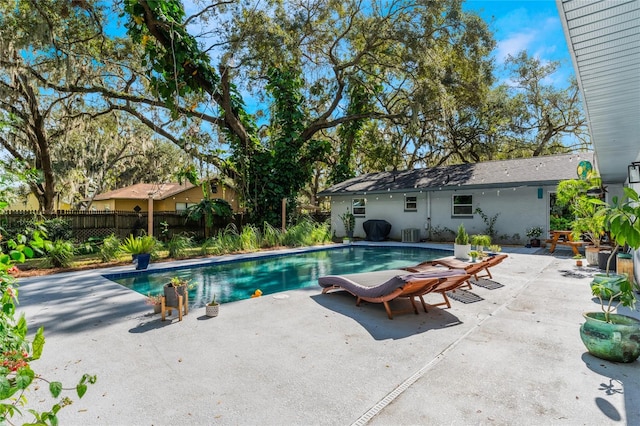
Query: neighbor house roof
[
  {"x": 159, "y": 191},
  {"x": 536, "y": 171}
]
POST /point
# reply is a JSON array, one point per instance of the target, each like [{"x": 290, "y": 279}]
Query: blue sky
[{"x": 533, "y": 26}]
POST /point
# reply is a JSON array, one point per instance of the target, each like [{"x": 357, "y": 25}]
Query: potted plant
[
  {"x": 140, "y": 249},
  {"x": 213, "y": 308},
  {"x": 480, "y": 242},
  {"x": 155, "y": 301},
  {"x": 461, "y": 248},
  {"x": 534, "y": 235},
  {"x": 349, "y": 222},
  {"x": 578, "y": 258},
  {"x": 473, "y": 255},
  {"x": 606, "y": 334},
  {"x": 176, "y": 296},
  {"x": 494, "y": 249}
]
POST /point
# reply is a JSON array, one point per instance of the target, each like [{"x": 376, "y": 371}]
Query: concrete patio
[{"x": 514, "y": 357}]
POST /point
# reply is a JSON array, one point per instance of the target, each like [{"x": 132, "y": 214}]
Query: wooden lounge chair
[
  {"x": 384, "y": 286},
  {"x": 477, "y": 269}
]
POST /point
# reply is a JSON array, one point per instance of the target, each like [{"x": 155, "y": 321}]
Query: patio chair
[
  {"x": 477, "y": 269},
  {"x": 384, "y": 286}
]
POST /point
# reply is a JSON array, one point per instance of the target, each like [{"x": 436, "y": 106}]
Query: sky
[{"x": 532, "y": 25}]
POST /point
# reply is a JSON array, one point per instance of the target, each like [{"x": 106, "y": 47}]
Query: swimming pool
[{"x": 237, "y": 280}]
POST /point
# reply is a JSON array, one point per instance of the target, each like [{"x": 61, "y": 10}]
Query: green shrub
[
  {"x": 271, "y": 236},
  {"x": 59, "y": 254},
  {"x": 58, "y": 229},
  {"x": 110, "y": 248},
  {"x": 179, "y": 246},
  {"x": 250, "y": 238}
]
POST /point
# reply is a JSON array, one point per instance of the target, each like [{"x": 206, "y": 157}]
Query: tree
[
  {"x": 61, "y": 72},
  {"x": 397, "y": 56},
  {"x": 544, "y": 114}
]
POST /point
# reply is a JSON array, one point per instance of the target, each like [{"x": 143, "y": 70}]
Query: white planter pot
[
  {"x": 212, "y": 311},
  {"x": 461, "y": 251},
  {"x": 591, "y": 254}
]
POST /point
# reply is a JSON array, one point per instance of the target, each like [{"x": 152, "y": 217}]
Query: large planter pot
[
  {"x": 461, "y": 251},
  {"x": 591, "y": 254},
  {"x": 534, "y": 242},
  {"x": 142, "y": 260},
  {"x": 625, "y": 266},
  {"x": 603, "y": 258},
  {"x": 212, "y": 310},
  {"x": 611, "y": 281},
  {"x": 171, "y": 295},
  {"x": 617, "y": 341}
]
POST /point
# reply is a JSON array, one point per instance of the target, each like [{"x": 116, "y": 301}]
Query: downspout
[{"x": 427, "y": 225}]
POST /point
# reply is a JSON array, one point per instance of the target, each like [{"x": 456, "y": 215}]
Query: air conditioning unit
[{"x": 411, "y": 235}]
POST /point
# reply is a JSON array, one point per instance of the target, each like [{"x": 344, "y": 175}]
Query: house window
[
  {"x": 180, "y": 207},
  {"x": 462, "y": 205},
  {"x": 359, "y": 206},
  {"x": 410, "y": 204}
]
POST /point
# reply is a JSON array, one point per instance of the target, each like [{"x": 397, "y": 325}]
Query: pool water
[{"x": 236, "y": 280}]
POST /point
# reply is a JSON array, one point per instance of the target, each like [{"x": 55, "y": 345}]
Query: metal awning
[{"x": 604, "y": 42}]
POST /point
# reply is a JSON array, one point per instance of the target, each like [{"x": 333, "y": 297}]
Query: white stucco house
[{"x": 430, "y": 203}]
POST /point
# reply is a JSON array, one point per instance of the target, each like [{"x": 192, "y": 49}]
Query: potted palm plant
[
  {"x": 606, "y": 334},
  {"x": 140, "y": 249},
  {"x": 461, "y": 247}
]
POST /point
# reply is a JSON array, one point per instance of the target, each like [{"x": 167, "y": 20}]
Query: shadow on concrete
[
  {"x": 621, "y": 379},
  {"x": 373, "y": 317}
]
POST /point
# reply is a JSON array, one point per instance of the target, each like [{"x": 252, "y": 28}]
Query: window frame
[
  {"x": 455, "y": 205},
  {"x": 408, "y": 202},
  {"x": 359, "y": 209}
]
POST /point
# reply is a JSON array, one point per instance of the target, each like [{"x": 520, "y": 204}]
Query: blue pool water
[{"x": 237, "y": 280}]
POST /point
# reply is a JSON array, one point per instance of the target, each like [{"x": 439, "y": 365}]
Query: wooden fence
[{"x": 86, "y": 224}]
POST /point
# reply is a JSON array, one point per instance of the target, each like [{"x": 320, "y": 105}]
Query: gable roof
[
  {"x": 535, "y": 171},
  {"x": 143, "y": 190}
]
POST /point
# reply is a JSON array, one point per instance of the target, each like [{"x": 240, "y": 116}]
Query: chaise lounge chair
[
  {"x": 384, "y": 286},
  {"x": 477, "y": 269}
]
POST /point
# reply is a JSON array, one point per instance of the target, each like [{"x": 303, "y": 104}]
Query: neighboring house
[
  {"x": 29, "y": 202},
  {"x": 430, "y": 203},
  {"x": 167, "y": 197}
]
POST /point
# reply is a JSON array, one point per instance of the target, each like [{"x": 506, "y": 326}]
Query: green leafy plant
[
  {"x": 588, "y": 221},
  {"x": 59, "y": 253},
  {"x": 481, "y": 240},
  {"x": 179, "y": 246},
  {"x": 349, "y": 222},
  {"x": 138, "y": 245},
  {"x": 110, "y": 248},
  {"x": 18, "y": 352},
  {"x": 473, "y": 254},
  {"x": 495, "y": 248},
  {"x": 462, "y": 238},
  {"x": 622, "y": 220}
]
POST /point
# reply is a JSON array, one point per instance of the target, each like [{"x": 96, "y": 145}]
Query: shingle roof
[
  {"x": 547, "y": 170},
  {"x": 142, "y": 190}
]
